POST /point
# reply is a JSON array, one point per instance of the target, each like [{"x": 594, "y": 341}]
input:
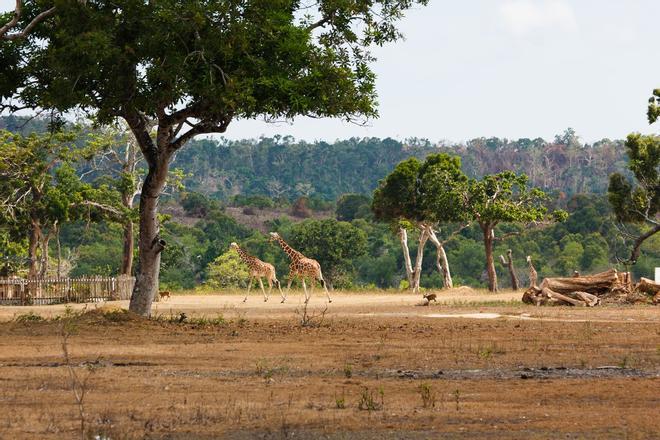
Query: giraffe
[
  {"x": 258, "y": 269},
  {"x": 301, "y": 267},
  {"x": 533, "y": 276}
]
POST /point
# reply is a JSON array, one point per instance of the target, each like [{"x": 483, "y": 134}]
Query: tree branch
[
  {"x": 18, "y": 10},
  {"x": 634, "y": 255},
  {"x": 202, "y": 127}
]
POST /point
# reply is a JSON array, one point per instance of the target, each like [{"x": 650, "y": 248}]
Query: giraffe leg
[
  {"x": 279, "y": 287},
  {"x": 325, "y": 287},
  {"x": 270, "y": 286},
  {"x": 261, "y": 284},
  {"x": 288, "y": 287},
  {"x": 305, "y": 289},
  {"x": 249, "y": 286}
]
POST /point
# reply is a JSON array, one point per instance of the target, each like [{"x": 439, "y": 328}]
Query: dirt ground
[{"x": 370, "y": 366}]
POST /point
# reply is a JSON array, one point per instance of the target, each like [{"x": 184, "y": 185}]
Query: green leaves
[
  {"x": 333, "y": 243},
  {"x": 504, "y": 197},
  {"x": 220, "y": 60},
  {"x": 642, "y": 202},
  {"x": 396, "y": 195},
  {"x": 653, "y": 112},
  {"x": 228, "y": 271}
]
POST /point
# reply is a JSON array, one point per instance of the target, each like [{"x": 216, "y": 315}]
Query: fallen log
[
  {"x": 596, "y": 284},
  {"x": 559, "y": 297},
  {"x": 588, "y": 298},
  {"x": 546, "y": 296},
  {"x": 648, "y": 286},
  {"x": 591, "y": 290}
]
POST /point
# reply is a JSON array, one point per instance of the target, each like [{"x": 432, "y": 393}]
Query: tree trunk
[
  {"x": 150, "y": 245},
  {"x": 489, "y": 238},
  {"x": 127, "y": 254},
  {"x": 441, "y": 261},
  {"x": 417, "y": 274},
  {"x": 45, "y": 260},
  {"x": 33, "y": 247},
  {"x": 403, "y": 238},
  {"x": 508, "y": 262},
  {"x": 59, "y": 251}
]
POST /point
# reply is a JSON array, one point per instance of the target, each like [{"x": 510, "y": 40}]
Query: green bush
[{"x": 227, "y": 271}]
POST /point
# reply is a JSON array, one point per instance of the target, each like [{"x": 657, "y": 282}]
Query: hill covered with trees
[{"x": 281, "y": 167}]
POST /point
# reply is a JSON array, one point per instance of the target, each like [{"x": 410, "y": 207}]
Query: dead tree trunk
[
  {"x": 489, "y": 238},
  {"x": 441, "y": 261},
  {"x": 423, "y": 237},
  {"x": 508, "y": 262},
  {"x": 413, "y": 274},
  {"x": 403, "y": 239},
  {"x": 581, "y": 290},
  {"x": 596, "y": 284}
]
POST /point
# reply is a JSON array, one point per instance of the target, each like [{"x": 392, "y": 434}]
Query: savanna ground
[{"x": 373, "y": 366}]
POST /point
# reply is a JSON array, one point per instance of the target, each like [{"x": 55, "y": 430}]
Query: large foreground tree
[{"x": 190, "y": 68}]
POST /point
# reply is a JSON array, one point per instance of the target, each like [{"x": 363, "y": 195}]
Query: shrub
[{"x": 227, "y": 271}]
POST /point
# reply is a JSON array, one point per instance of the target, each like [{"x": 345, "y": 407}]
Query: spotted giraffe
[
  {"x": 258, "y": 269},
  {"x": 301, "y": 267},
  {"x": 533, "y": 276}
]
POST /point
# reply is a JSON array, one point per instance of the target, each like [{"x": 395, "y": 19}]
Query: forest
[{"x": 223, "y": 191}]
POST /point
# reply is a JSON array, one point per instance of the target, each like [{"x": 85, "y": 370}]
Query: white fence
[{"x": 39, "y": 291}]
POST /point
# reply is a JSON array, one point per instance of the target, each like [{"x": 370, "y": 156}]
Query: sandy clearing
[
  {"x": 222, "y": 303},
  {"x": 461, "y": 303}
]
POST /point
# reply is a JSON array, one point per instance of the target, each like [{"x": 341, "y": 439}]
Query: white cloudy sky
[{"x": 508, "y": 68}]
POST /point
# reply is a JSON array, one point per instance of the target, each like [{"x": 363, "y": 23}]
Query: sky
[{"x": 505, "y": 68}]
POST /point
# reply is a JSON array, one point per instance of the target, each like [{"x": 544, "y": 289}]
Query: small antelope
[
  {"x": 165, "y": 294},
  {"x": 430, "y": 297}
]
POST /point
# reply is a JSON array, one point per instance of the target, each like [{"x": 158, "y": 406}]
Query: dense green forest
[
  {"x": 318, "y": 197},
  {"x": 282, "y": 167}
]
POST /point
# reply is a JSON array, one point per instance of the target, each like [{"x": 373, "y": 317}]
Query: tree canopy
[{"x": 333, "y": 243}]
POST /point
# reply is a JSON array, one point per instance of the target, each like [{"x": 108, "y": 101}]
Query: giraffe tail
[{"x": 322, "y": 281}]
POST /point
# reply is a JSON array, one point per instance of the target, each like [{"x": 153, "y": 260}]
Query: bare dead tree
[
  {"x": 441, "y": 262},
  {"x": 508, "y": 262}
]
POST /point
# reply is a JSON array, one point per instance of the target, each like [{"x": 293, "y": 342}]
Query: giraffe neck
[
  {"x": 291, "y": 252},
  {"x": 247, "y": 258}
]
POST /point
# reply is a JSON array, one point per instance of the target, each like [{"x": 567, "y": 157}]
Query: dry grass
[{"x": 242, "y": 373}]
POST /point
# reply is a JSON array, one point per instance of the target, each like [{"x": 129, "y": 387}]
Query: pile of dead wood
[
  {"x": 649, "y": 287},
  {"x": 591, "y": 290}
]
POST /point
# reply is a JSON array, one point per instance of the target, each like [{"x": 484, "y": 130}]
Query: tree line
[{"x": 281, "y": 167}]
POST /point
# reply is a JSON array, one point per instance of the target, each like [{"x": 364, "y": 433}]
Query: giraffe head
[
  {"x": 233, "y": 246},
  {"x": 274, "y": 236}
]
